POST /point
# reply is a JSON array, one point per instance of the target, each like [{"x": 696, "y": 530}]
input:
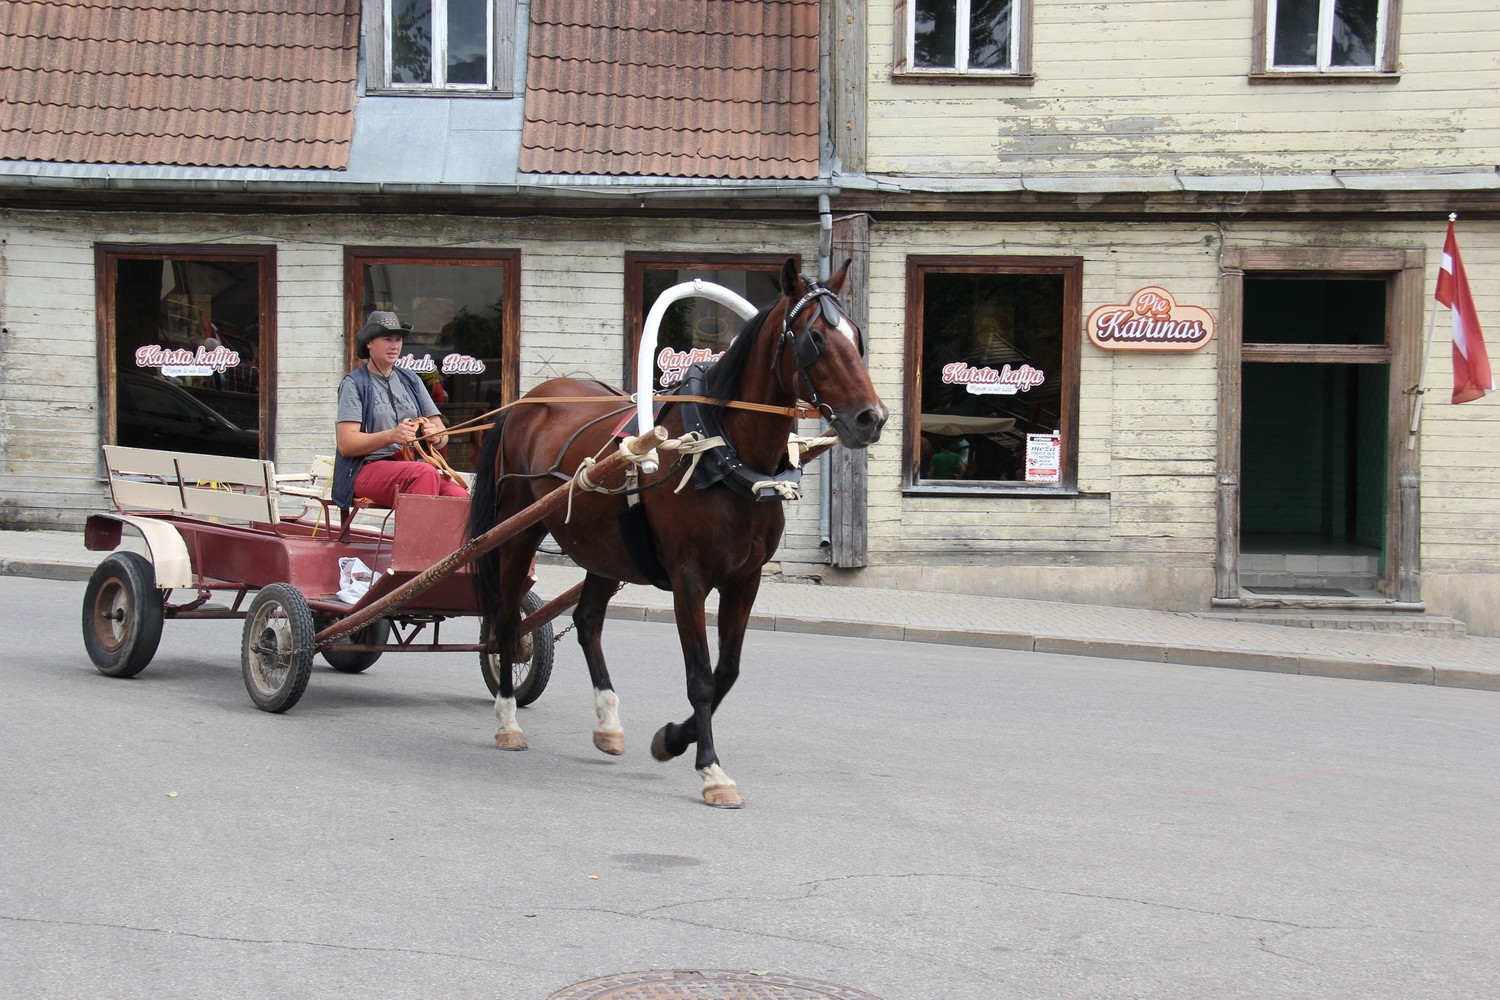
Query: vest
[{"x": 345, "y": 468}]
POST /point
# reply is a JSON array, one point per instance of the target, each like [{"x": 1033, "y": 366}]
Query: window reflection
[
  {"x": 697, "y": 329},
  {"x": 992, "y": 372},
  {"x": 187, "y": 355},
  {"x": 456, "y": 311}
]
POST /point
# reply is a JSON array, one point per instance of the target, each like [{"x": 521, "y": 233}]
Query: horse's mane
[{"x": 723, "y": 378}]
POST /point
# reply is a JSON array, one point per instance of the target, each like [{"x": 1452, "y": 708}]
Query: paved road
[{"x": 925, "y": 822}]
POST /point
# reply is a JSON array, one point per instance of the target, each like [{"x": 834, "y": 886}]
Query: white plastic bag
[{"x": 354, "y": 579}]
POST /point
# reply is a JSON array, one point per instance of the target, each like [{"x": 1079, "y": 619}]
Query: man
[{"x": 382, "y": 408}]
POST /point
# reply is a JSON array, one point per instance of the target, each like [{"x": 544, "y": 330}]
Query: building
[
  {"x": 1284, "y": 168},
  {"x": 1013, "y": 197},
  {"x": 251, "y": 178}
]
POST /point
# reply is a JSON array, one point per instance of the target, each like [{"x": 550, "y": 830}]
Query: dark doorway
[{"x": 1314, "y": 438}]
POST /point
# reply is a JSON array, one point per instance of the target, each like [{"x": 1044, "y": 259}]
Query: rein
[{"x": 801, "y": 411}]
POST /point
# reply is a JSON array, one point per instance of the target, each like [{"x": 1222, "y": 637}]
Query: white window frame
[
  {"x": 1386, "y": 33},
  {"x": 1020, "y": 45},
  {"x": 500, "y": 19}
]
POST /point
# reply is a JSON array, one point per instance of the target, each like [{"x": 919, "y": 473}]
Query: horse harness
[{"x": 805, "y": 346}]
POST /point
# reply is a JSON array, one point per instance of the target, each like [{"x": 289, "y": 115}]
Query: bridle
[{"x": 806, "y": 346}]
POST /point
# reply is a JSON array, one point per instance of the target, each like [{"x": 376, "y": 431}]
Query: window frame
[
  {"x": 106, "y": 273},
  {"x": 1071, "y": 271},
  {"x": 355, "y": 258},
  {"x": 905, "y": 69},
  {"x": 378, "y": 81},
  {"x": 637, "y": 263},
  {"x": 1388, "y": 34}
]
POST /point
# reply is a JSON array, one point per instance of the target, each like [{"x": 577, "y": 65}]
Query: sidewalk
[{"x": 1204, "y": 639}]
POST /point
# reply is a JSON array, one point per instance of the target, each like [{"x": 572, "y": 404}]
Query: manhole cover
[{"x": 706, "y": 984}]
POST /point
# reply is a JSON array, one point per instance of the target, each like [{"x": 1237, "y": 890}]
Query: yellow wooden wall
[{"x": 1152, "y": 86}]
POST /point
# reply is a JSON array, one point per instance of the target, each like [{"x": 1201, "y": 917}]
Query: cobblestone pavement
[{"x": 1205, "y": 638}]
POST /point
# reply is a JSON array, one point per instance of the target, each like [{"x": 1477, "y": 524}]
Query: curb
[
  {"x": 1345, "y": 668},
  {"x": 44, "y": 570}
]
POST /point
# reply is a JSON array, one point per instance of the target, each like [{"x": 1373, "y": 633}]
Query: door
[{"x": 1317, "y": 483}]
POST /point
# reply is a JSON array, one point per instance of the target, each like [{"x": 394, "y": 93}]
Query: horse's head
[{"x": 820, "y": 357}]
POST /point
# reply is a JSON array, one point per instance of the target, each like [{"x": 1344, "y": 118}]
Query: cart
[{"x": 215, "y": 531}]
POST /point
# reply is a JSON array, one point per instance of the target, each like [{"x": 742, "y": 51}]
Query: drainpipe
[{"x": 825, "y": 480}]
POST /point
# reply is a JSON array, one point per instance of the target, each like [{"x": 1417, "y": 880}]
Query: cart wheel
[
  {"x": 530, "y": 674},
  {"x": 122, "y": 615},
  {"x": 276, "y": 649},
  {"x": 377, "y": 633}
]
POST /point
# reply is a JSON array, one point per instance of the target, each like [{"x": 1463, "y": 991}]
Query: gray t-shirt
[{"x": 393, "y": 404}]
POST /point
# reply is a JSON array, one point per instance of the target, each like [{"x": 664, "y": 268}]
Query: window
[
  {"x": 187, "y": 348},
  {"x": 464, "y": 311},
  {"x": 1325, "y": 37},
  {"x": 441, "y": 46},
  {"x": 992, "y": 373},
  {"x": 693, "y": 329},
  {"x": 968, "y": 38}
]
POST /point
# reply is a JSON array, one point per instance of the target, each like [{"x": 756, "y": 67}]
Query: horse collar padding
[{"x": 722, "y": 465}]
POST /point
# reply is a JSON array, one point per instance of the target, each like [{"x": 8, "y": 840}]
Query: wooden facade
[
  {"x": 1141, "y": 142},
  {"x": 1149, "y": 141}
]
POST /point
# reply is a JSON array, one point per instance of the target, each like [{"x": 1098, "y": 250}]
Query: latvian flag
[{"x": 1471, "y": 362}]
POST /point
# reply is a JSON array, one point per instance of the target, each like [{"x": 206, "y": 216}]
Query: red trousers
[{"x": 379, "y": 482}]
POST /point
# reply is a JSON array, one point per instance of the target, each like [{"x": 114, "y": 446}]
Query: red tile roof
[
  {"x": 220, "y": 83},
  {"x": 673, "y": 88}
]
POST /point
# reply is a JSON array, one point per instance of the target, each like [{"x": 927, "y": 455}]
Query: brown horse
[{"x": 714, "y": 532}]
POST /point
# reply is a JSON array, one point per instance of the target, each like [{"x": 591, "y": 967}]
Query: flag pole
[{"x": 1421, "y": 387}]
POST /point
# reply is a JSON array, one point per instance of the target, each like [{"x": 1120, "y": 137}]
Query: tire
[
  {"x": 531, "y": 673},
  {"x": 377, "y": 633},
  {"x": 122, "y": 615},
  {"x": 276, "y": 648}
]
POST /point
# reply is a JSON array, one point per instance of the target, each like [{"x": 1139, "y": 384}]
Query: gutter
[
  {"x": 105, "y": 182},
  {"x": 825, "y": 271}
]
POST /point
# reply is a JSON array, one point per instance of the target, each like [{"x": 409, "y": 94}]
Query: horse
[{"x": 801, "y": 354}]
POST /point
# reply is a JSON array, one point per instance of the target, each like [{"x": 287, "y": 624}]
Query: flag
[{"x": 1471, "y": 362}]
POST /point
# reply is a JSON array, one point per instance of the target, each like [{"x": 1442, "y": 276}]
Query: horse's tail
[{"x": 484, "y": 500}]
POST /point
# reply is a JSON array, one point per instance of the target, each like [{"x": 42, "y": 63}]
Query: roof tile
[
  {"x": 232, "y": 83},
  {"x": 673, "y": 88}
]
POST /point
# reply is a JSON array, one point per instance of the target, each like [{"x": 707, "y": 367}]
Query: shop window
[
  {"x": 464, "y": 311},
  {"x": 992, "y": 373},
  {"x": 187, "y": 348},
  {"x": 694, "y": 329},
  {"x": 974, "y": 39},
  {"x": 1321, "y": 38},
  {"x": 441, "y": 46}
]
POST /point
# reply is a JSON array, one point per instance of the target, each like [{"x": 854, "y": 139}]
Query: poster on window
[{"x": 1044, "y": 458}]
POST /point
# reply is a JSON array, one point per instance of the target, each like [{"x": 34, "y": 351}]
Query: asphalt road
[{"x": 924, "y": 823}]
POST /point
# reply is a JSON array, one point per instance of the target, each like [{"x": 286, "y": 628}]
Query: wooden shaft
[{"x": 553, "y": 608}]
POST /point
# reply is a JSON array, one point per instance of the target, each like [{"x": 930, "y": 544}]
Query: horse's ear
[
  {"x": 836, "y": 283},
  {"x": 789, "y": 279}
]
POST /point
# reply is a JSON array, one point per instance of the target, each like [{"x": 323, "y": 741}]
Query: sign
[
  {"x": 987, "y": 381},
  {"x": 453, "y": 364},
  {"x": 1151, "y": 321},
  {"x": 181, "y": 362},
  {"x": 1044, "y": 458},
  {"x": 674, "y": 363}
]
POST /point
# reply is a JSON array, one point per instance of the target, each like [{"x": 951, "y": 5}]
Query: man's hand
[
  {"x": 405, "y": 432},
  {"x": 433, "y": 428}
]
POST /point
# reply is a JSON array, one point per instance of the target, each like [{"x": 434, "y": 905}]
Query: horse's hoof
[
  {"x": 723, "y": 797},
  {"x": 512, "y": 739},
  {"x": 659, "y": 745},
  {"x": 611, "y": 743}
]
